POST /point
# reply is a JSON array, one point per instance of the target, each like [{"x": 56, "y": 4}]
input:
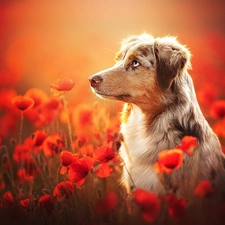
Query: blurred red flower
[
  {"x": 8, "y": 200},
  {"x": 107, "y": 203},
  {"x": 217, "y": 110},
  {"x": 8, "y": 123},
  {"x": 52, "y": 144},
  {"x": 22, "y": 151},
  {"x": 28, "y": 172},
  {"x": 86, "y": 115},
  {"x": 207, "y": 94},
  {"x": 104, "y": 153},
  {"x": 169, "y": 160},
  {"x": 79, "y": 169},
  {"x": 38, "y": 138},
  {"x": 63, "y": 190},
  {"x": 106, "y": 156},
  {"x": 219, "y": 128},
  {"x": 63, "y": 170},
  {"x": 188, "y": 145},
  {"x": 176, "y": 207},
  {"x": 86, "y": 150},
  {"x": 223, "y": 149},
  {"x": 148, "y": 203},
  {"x": 66, "y": 157},
  {"x": 7, "y": 94},
  {"x": 53, "y": 103},
  {"x": 22, "y": 102},
  {"x": 46, "y": 202},
  {"x": 44, "y": 112},
  {"x": 62, "y": 85},
  {"x": 25, "y": 203},
  {"x": 38, "y": 95},
  {"x": 203, "y": 189}
]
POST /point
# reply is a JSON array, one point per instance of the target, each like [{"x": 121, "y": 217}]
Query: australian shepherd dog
[{"x": 151, "y": 77}]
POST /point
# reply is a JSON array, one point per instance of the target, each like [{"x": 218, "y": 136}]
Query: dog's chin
[{"x": 122, "y": 97}]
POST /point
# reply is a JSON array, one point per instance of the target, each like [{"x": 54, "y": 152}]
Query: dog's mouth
[{"x": 122, "y": 97}]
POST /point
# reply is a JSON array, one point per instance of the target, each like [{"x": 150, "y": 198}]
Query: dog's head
[{"x": 144, "y": 68}]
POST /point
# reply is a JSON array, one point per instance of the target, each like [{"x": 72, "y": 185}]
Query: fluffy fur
[{"x": 151, "y": 77}]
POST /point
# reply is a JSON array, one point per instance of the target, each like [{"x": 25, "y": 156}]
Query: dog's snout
[{"x": 95, "y": 80}]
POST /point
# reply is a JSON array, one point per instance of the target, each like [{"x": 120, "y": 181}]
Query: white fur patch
[{"x": 136, "y": 145}]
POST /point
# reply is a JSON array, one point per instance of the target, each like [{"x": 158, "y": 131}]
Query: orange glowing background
[{"x": 44, "y": 40}]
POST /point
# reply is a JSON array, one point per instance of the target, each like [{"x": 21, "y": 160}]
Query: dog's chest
[{"x": 137, "y": 141}]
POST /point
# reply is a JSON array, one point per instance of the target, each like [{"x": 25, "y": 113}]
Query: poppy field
[
  {"x": 59, "y": 143},
  {"x": 63, "y": 166}
]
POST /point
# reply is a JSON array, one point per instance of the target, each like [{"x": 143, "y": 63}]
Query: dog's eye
[{"x": 135, "y": 63}]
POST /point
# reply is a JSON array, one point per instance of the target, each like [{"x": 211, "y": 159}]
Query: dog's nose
[{"x": 95, "y": 80}]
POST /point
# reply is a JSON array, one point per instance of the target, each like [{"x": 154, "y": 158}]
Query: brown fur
[{"x": 151, "y": 77}]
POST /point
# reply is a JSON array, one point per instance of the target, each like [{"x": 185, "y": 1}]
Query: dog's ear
[{"x": 171, "y": 59}]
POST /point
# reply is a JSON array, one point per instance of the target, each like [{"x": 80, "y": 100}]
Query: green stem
[
  {"x": 21, "y": 127},
  {"x": 68, "y": 122},
  {"x": 10, "y": 167}
]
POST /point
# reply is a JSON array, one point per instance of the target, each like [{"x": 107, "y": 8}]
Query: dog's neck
[{"x": 152, "y": 129}]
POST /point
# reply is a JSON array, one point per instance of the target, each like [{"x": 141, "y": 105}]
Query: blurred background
[{"x": 41, "y": 41}]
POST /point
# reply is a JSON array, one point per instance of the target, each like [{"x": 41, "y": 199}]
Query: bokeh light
[{"x": 42, "y": 41}]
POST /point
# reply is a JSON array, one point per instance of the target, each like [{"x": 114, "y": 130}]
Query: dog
[{"x": 151, "y": 76}]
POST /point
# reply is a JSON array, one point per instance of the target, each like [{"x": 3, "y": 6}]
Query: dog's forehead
[{"x": 138, "y": 44}]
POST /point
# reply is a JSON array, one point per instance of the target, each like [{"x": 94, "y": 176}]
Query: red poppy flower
[
  {"x": 169, "y": 160},
  {"x": 29, "y": 172},
  {"x": 52, "y": 144},
  {"x": 44, "y": 112},
  {"x": 63, "y": 190},
  {"x": 219, "y": 128},
  {"x": 176, "y": 207},
  {"x": 217, "y": 110},
  {"x": 25, "y": 203},
  {"x": 104, "y": 170},
  {"x": 8, "y": 123},
  {"x": 46, "y": 202},
  {"x": 66, "y": 157},
  {"x": 81, "y": 141},
  {"x": 106, "y": 156},
  {"x": 8, "y": 200},
  {"x": 62, "y": 85},
  {"x": 38, "y": 95},
  {"x": 63, "y": 170},
  {"x": 148, "y": 202},
  {"x": 188, "y": 145},
  {"x": 23, "y": 103},
  {"x": 38, "y": 137},
  {"x": 207, "y": 94},
  {"x": 86, "y": 150},
  {"x": 104, "y": 153},
  {"x": 21, "y": 151},
  {"x": 223, "y": 149},
  {"x": 107, "y": 203},
  {"x": 53, "y": 103},
  {"x": 86, "y": 115},
  {"x": 7, "y": 94},
  {"x": 79, "y": 169},
  {"x": 203, "y": 189}
]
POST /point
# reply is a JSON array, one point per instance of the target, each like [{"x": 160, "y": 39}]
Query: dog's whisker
[{"x": 110, "y": 50}]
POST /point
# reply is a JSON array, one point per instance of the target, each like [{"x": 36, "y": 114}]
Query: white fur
[{"x": 137, "y": 146}]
